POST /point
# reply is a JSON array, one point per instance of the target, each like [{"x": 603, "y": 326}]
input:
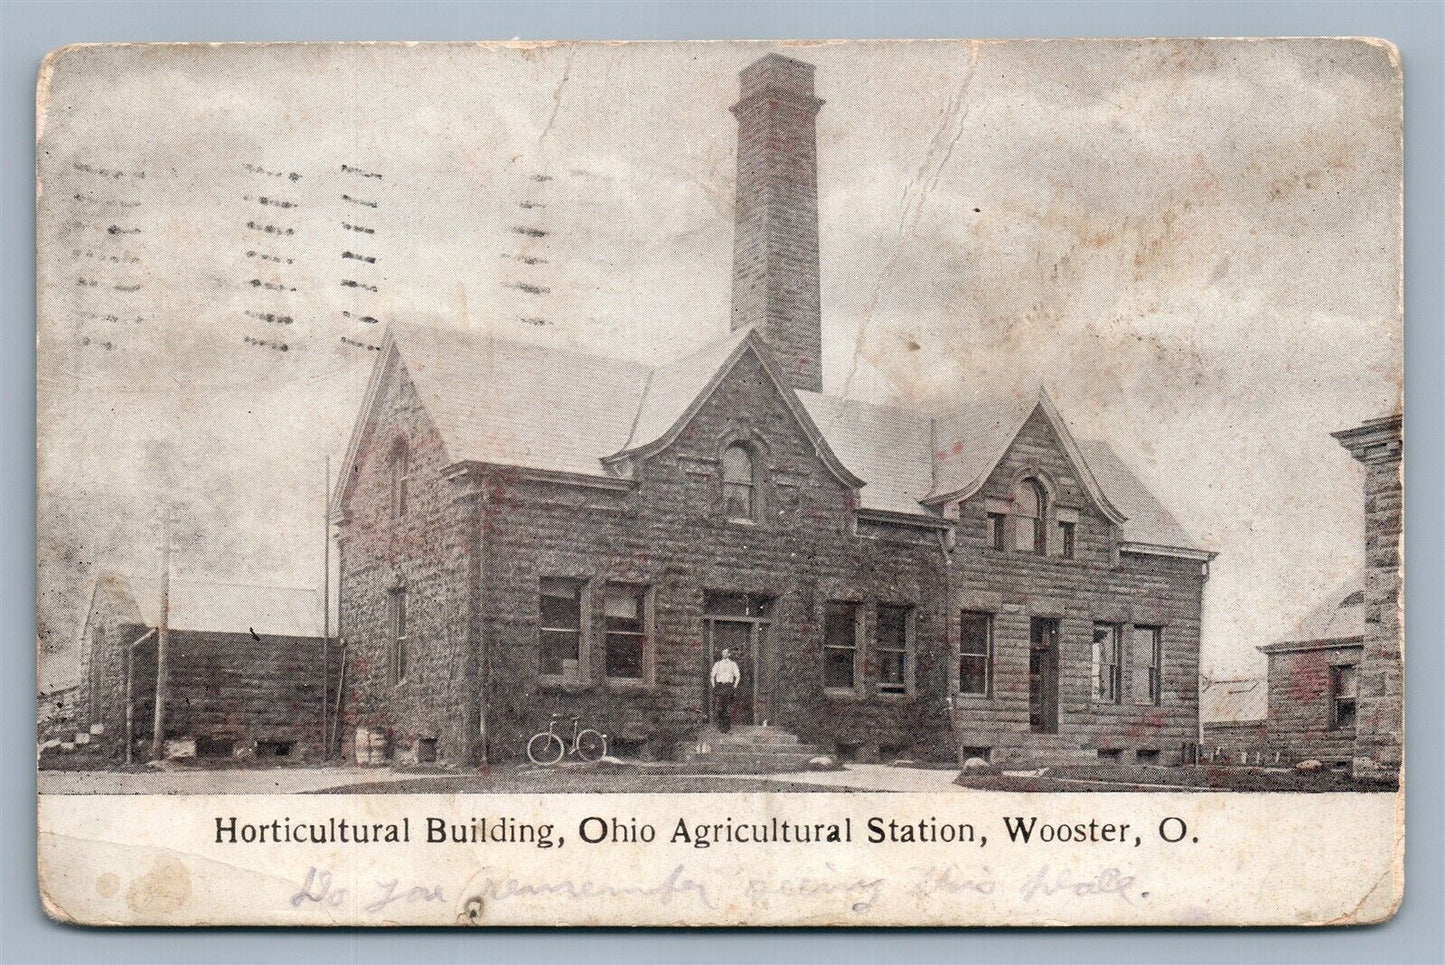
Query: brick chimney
[{"x": 775, "y": 240}]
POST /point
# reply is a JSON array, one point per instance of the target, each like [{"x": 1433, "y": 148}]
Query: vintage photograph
[{"x": 946, "y": 417}]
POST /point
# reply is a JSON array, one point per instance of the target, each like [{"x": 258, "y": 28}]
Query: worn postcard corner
[{"x": 686, "y": 484}]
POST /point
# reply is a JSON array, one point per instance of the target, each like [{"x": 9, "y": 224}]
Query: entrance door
[
  {"x": 737, "y": 639},
  {"x": 737, "y": 623},
  {"x": 1044, "y": 676}
]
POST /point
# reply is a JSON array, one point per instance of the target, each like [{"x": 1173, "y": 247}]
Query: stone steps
[
  {"x": 747, "y": 734},
  {"x": 751, "y": 748}
]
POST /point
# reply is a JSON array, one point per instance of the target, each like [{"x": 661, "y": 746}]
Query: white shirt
[{"x": 726, "y": 671}]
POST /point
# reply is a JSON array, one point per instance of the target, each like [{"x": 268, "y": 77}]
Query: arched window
[
  {"x": 399, "y": 474},
  {"x": 1028, "y": 511},
  {"x": 739, "y": 483}
]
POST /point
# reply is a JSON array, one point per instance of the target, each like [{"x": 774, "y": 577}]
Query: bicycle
[{"x": 548, "y": 747}]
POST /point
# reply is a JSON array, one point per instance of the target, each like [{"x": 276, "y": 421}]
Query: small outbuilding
[{"x": 244, "y": 669}]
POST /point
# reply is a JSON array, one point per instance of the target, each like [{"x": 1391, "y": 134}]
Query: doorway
[
  {"x": 739, "y": 624},
  {"x": 1044, "y": 675}
]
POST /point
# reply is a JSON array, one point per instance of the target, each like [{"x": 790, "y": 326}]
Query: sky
[{"x": 1195, "y": 246}]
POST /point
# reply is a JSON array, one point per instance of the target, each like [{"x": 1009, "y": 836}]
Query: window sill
[
  {"x": 842, "y": 693},
  {"x": 972, "y": 698},
  {"x": 570, "y": 685},
  {"x": 892, "y": 697}
]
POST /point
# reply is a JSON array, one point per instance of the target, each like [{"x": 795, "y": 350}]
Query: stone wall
[
  {"x": 1300, "y": 724},
  {"x": 232, "y": 692},
  {"x": 669, "y": 533},
  {"x": 1015, "y": 587},
  {"x": 429, "y": 554},
  {"x": 1379, "y": 745},
  {"x": 480, "y": 543},
  {"x": 775, "y": 241}
]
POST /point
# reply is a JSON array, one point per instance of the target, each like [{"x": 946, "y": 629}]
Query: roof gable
[
  {"x": 111, "y": 599},
  {"x": 678, "y": 381},
  {"x": 969, "y": 445},
  {"x": 579, "y": 415}
]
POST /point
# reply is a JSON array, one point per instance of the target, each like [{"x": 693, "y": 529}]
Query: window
[
  {"x": 398, "y": 636},
  {"x": 561, "y": 627},
  {"x": 1028, "y": 510},
  {"x": 1108, "y": 668},
  {"x": 975, "y": 656},
  {"x": 1343, "y": 690},
  {"x": 1066, "y": 540},
  {"x": 892, "y": 646},
  {"x": 624, "y": 610},
  {"x": 840, "y": 646},
  {"x": 398, "y": 466},
  {"x": 738, "y": 482},
  {"x": 1148, "y": 649},
  {"x": 995, "y": 531}
]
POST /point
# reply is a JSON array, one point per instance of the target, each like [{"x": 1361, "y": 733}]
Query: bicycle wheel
[
  {"x": 545, "y": 749},
  {"x": 591, "y": 745}
]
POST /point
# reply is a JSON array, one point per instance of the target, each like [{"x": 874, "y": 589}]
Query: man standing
[{"x": 725, "y": 677}]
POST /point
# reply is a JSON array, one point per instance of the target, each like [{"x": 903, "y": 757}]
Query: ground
[
  {"x": 1125, "y": 777},
  {"x": 638, "y": 778}
]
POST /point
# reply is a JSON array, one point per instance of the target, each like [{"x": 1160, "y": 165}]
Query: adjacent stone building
[
  {"x": 244, "y": 669},
  {"x": 1335, "y": 687},
  {"x": 1314, "y": 681},
  {"x": 1380, "y": 711},
  {"x": 525, "y": 531}
]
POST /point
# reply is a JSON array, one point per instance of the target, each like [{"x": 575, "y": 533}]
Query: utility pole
[
  {"x": 326, "y": 608},
  {"x": 163, "y": 634}
]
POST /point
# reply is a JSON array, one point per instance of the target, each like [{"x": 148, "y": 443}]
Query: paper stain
[
  {"x": 107, "y": 885},
  {"x": 164, "y": 889}
]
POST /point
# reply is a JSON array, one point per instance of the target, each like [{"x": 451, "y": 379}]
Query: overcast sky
[{"x": 1193, "y": 245}]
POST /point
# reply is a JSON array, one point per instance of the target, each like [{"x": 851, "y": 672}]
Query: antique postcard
[{"x": 842, "y": 483}]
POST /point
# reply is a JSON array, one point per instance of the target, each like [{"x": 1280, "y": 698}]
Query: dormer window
[
  {"x": 1028, "y": 511},
  {"x": 739, "y": 483},
  {"x": 399, "y": 470}
]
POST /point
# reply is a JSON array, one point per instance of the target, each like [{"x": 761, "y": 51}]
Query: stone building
[
  {"x": 56, "y": 715},
  {"x": 525, "y": 531},
  {"x": 244, "y": 669},
  {"x": 1314, "y": 681},
  {"x": 1335, "y": 688},
  {"x": 1380, "y": 710}
]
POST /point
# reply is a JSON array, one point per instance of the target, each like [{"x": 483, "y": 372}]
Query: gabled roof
[
  {"x": 673, "y": 389},
  {"x": 556, "y": 410},
  {"x": 515, "y": 404},
  {"x": 970, "y": 442},
  {"x": 1338, "y": 618},
  {"x": 1233, "y": 701},
  {"x": 218, "y": 607},
  {"x": 886, "y": 446},
  {"x": 674, "y": 381}
]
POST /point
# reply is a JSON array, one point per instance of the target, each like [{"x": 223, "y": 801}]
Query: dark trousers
[{"x": 723, "y": 706}]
